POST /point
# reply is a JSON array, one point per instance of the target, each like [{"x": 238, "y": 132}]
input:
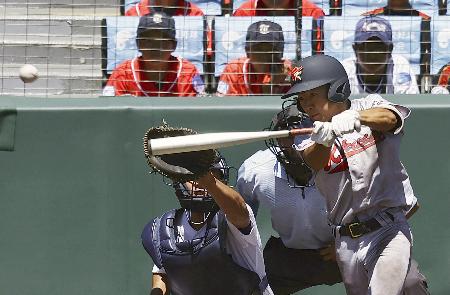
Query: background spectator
[
  {"x": 374, "y": 69},
  {"x": 263, "y": 70},
  {"x": 397, "y": 7},
  {"x": 156, "y": 72},
  {"x": 277, "y": 8},
  {"x": 171, "y": 7},
  {"x": 443, "y": 81}
]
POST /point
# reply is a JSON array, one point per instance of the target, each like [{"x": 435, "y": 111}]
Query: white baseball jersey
[
  {"x": 364, "y": 173},
  {"x": 298, "y": 216},
  {"x": 400, "y": 76},
  {"x": 245, "y": 250}
]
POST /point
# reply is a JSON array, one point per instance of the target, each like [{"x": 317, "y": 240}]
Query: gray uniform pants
[
  {"x": 378, "y": 263},
  {"x": 292, "y": 270}
]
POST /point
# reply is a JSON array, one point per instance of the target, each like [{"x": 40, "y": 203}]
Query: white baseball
[{"x": 28, "y": 73}]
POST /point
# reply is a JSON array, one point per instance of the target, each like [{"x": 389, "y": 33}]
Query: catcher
[{"x": 210, "y": 245}]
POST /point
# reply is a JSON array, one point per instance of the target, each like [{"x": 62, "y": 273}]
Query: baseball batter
[
  {"x": 354, "y": 150},
  {"x": 278, "y": 179},
  {"x": 210, "y": 245}
]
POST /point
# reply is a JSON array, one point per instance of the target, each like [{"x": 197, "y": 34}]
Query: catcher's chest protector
[{"x": 200, "y": 266}]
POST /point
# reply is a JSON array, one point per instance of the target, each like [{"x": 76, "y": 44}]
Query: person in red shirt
[
  {"x": 156, "y": 72},
  {"x": 278, "y": 8},
  {"x": 398, "y": 7},
  {"x": 263, "y": 70},
  {"x": 171, "y": 7},
  {"x": 442, "y": 83}
]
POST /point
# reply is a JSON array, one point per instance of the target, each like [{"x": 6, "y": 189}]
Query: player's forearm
[
  {"x": 229, "y": 201},
  {"x": 379, "y": 119},
  {"x": 159, "y": 285},
  {"x": 316, "y": 156}
]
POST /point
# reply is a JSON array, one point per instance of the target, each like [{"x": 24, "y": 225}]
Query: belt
[{"x": 357, "y": 229}]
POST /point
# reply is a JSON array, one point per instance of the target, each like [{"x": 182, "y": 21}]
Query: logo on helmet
[
  {"x": 157, "y": 18},
  {"x": 264, "y": 29},
  {"x": 296, "y": 74}
]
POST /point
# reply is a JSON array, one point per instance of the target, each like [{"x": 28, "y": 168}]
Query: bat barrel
[{"x": 206, "y": 141}]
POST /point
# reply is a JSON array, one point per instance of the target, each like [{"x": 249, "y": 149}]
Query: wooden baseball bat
[{"x": 206, "y": 141}]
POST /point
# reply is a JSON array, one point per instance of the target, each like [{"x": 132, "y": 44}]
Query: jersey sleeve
[
  {"x": 404, "y": 77},
  {"x": 245, "y": 185},
  {"x": 156, "y": 269},
  {"x": 225, "y": 83},
  {"x": 245, "y": 241},
  {"x": 115, "y": 85},
  {"x": 231, "y": 81},
  {"x": 198, "y": 84},
  {"x": 245, "y": 249},
  {"x": 376, "y": 101}
]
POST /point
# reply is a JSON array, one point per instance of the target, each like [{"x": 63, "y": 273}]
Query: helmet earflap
[{"x": 339, "y": 90}]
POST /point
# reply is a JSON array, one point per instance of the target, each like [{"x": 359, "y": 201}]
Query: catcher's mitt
[{"x": 181, "y": 167}]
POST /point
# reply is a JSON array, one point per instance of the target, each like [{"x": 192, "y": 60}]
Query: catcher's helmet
[
  {"x": 194, "y": 198},
  {"x": 298, "y": 172},
  {"x": 318, "y": 70}
]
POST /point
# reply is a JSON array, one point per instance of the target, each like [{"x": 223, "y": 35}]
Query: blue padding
[
  {"x": 230, "y": 35},
  {"x": 121, "y": 34},
  {"x": 358, "y": 7},
  {"x": 209, "y": 7},
  {"x": 429, "y": 7},
  {"x": 339, "y": 35},
  {"x": 440, "y": 37}
]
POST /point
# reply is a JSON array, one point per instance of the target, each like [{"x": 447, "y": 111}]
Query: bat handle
[{"x": 300, "y": 131}]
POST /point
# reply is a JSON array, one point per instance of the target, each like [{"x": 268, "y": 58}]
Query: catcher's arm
[
  {"x": 229, "y": 201},
  {"x": 159, "y": 284}
]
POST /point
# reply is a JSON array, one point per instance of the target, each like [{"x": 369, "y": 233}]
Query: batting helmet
[{"x": 318, "y": 70}]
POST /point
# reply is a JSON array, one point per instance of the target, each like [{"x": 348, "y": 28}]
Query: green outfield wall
[{"x": 75, "y": 191}]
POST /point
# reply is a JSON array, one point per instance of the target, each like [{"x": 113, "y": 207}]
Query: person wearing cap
[
  {"x": 263, "y": 70},
  {"x": 171, "y": 7},
  {"x": 278, "y": 8},
  {"x": 354, "y": 151},
  {"x": 210, "y": 245},
  {"x": 373, "y": 68},
  {"x": 156, "y": 72},
  {"x": 282, "y": 8},
  {"x": 398, "y": 7}
]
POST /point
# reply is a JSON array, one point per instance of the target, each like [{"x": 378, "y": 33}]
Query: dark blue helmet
[{"x": 318, "y": 70}]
